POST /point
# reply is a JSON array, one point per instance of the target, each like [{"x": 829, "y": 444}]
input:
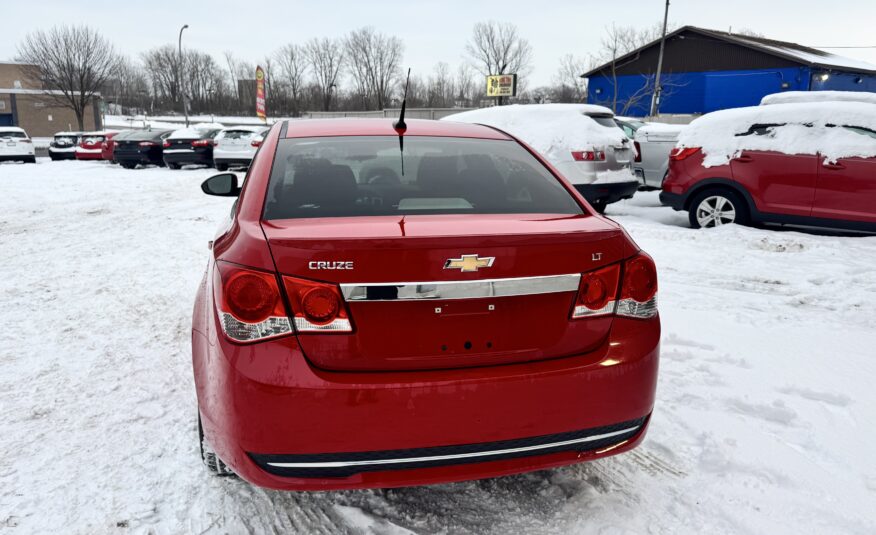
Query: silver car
[{"x": 654, "y": 142}]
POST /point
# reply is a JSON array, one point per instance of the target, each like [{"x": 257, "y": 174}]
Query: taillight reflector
[
  {"x": 680, "y": 153},
  {"x": 588, "y": 155},
  {"x": 249, "y": 303},
  {"x": 317, "y": 306}
]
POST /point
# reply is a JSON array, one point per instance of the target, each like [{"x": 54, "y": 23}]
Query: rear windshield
[
  {"x": 239, "y": 134},
  {"x": 65, "y": 140},
  {"x": 363, "y": 176},
  {"x": 20, "y": 135},
  {"x": 604, "y": 120}
]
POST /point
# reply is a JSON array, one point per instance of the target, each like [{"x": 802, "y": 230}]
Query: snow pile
[
  {"x": 804, "y": 128},
  {"x": 554, "y": 130},
  {"x": 789, "y": 97},
  {"x": 195, "y": 131}
]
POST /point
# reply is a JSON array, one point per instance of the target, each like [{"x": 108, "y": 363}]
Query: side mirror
[{"x": 221, "y": 185}]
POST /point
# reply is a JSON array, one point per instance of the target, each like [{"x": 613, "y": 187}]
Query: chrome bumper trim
[{"x": 391, "y": 291}]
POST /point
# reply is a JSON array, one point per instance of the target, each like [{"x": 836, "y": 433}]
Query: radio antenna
[{"x": 401, "y": 126}]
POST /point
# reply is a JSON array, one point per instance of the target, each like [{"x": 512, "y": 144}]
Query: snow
[
  {"x": 803, "y": 129},
  {"x": 170, "y": 122},
  {"x": 818, "y": 96},
  {"x": 763, "y": 422},
  {"x": 194, "y": 131},
  {"x": 554, "y": 130}
]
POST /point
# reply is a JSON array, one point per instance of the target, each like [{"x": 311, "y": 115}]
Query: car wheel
[
  {"x": 211, "y": 460},
  {"x": 128, "y": 165},
  {"x": 172, "y": 165},
  {"x": 715, "y": 208},
  {"x": 599, "y": 206},
  {"x": 222, "y": 167},
  {"x": 32, "y": 159}
]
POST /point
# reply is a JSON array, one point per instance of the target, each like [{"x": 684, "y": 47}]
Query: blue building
[{"x": 708, "y": 70}]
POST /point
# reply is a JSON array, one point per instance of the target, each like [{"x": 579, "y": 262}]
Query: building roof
[{"x": 803, "y": 55}]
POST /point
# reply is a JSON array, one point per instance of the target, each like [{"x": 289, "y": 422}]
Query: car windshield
[{"x": 362, "y": 176}]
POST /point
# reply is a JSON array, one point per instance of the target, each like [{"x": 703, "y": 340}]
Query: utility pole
[
  {"x": 182, "y": 89},
  {"x": 655, "y": 97}
]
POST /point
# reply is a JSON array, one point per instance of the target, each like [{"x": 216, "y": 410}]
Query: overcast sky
[{"x": 435, "y": 30}]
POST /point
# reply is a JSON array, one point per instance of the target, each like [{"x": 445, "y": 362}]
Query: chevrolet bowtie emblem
[{"x": 469, "y": 262}]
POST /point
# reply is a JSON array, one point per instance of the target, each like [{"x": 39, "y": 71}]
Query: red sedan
[
  {"x": 394, "y": 305},
  {"x": 90, "y": 146}
]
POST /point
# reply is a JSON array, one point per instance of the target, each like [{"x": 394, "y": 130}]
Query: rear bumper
[
  {"x": 231, "y": 161},
  {"x": 264, "y": 403},
  {"x": 674, "y": 200},
  {"x": 16, "y": 157},
  {"x": 89, "y": 154},
  {"x": 62, "y": 154},
  {"x": 195, "y": 157},
  {"x": 608, "y": 192}
]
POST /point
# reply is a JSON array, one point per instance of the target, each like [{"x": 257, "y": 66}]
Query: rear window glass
[
  {"x": 20, "y": 135},
  {"x": 238, "y": 134},
  {"x": 604, "y": 120},
  {"x": 362, "y": 176},
  {"x": 65, "y": 140}
]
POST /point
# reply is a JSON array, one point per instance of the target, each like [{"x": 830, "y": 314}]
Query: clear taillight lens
[
  {"x": 317, "y": 306},
  {"x": 249, "y": 304},
  {"x": 627, "y": 289}
]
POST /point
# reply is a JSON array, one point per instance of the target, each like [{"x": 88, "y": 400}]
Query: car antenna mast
[{"x": 401, "y": 126}]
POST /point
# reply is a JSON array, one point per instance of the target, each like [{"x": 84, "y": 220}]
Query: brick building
[{"x": 26, "y": 105}]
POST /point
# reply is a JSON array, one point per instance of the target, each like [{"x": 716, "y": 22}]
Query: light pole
[
  {"x": 655, "y": 98},
  {"x": 179, "y": 70}
]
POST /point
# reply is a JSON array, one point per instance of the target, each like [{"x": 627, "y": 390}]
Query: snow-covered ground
[{"x": 764, "y": 419}]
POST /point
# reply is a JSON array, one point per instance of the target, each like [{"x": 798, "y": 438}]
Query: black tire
[
  {"x": 53, "y": 157},
  {"x": 171, "y": 165},
  {"x": 599, "y": 206},
  {"x": 720, "y": 201},
  {"x": 222, "y": 167},
  {"x": 211, "y": 460},
  {"x": 32, "y": 159},
  {"x": 128, "y": 165}
]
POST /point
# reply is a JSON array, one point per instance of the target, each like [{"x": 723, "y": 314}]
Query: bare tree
[
  {"x": 467, "y": 88},
  {"x": 292, "y": 65},
  {"x": 75, "y": 60},
  {"x": 326, "y": 57},
  {"x": 374, "y": 61},
  {"x": 497, "y": 48},
  {"x": 570, "y": 87}
]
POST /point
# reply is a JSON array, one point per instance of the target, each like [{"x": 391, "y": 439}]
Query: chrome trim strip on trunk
[
  {"x": 342, "y": 464},
  {"x": 390, "y": 291}
]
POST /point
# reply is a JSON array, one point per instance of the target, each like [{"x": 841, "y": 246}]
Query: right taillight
[
  {"x": 317, "y": 306},
  {"x": 588, "y": 155},
  {"x": 638, "y": 158},
  {"x": 249, "y": 304},
  {"x": 626, "y": 289},
  {"x": 638, "y": 295},
  {"x": 680, "y": 153}
]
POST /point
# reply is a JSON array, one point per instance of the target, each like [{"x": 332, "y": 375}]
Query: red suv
[
  {"x": 397, "y": 305},
  {"x": 794, "y": 164}
]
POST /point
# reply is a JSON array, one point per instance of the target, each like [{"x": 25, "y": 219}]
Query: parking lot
[{"x": 762, "y": 422}]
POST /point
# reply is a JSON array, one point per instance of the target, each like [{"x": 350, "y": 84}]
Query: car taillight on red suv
[
  {"x": 681, "y": 153},
  {"x": 249, "y": 304},
  {"x": 625, "y": 289}
]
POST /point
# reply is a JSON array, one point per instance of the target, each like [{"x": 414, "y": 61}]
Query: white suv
[
  {"x": 236, "y": 146},
  {"x": 15, "y": 144}
]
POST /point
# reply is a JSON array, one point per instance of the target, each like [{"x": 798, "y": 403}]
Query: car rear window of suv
[
  {"x": 13, "y": 133},
  {"x": 370, "y": 175}
]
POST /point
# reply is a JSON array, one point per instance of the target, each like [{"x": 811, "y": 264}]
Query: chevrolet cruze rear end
[{"x": 389, "y": 308}]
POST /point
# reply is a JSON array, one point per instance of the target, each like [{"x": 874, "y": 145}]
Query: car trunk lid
[{"x": 410, "y": 312}]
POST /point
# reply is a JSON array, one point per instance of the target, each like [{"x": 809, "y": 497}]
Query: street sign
[{"x": 502, "y": 85}]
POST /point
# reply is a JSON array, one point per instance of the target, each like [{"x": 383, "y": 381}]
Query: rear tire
[
  {"x": 211, "y": 460},
  {"x": 599, "y": 206},
  {"x": 128, "y": 165},
  {"x": 222, "y": 167},
  {"x": 717, "y": 207},
  {"x": 32, "y": 159},
  {"x": 172, "y": 165}
]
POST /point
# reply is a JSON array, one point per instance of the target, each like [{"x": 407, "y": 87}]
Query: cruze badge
[
  {"x": 330, "y": 265},
  {"x": 469, "y": 262}
]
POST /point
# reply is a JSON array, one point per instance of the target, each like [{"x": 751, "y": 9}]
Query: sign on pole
[
  {"x": 260, "y": 94},
  {"x": 502, "y": 85}
]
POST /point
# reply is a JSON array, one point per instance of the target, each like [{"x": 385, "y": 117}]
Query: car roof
[
  {"x": 11, "y": 129},
  {"x": 68, "y": 134},
  {"x": 384, "y": 127}
]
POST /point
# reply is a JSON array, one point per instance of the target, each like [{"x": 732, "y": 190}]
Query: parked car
[
  {"x": 236, "y": 146},
  {"x": 629, "y": 125},
  {"x": 372, "y": 317},
  {"x": 63, "y": 146},
  {"x": 90, "y": 145},
  {"x": 807, "y": 164},
  {"x": 16, "y": 145},
  {"x": 790, "y": 97},
  {"x": 143, "y": 147},
  {"x": 109, "y": 144},
  {"x": 580, "y": 140},
  {"x": 653, "y": 144},
  {"x": 190, "y": 146}
]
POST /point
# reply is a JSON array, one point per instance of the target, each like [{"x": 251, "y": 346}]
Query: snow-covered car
[
  {"x": 90, "y": 145},
  {"x": 140, "y": 147},
  {"x": 792, "y": 97},
  {"x": 372, "y": 317},
  {"x": 806, "y": 164},
  {"x": 653, "y": 144},
  {"x": 16, "y": 145},
  {"x": 236, "y": 146},
  {"x": 191, "y": 146},
  {"x": 582, "y": 141},
  {"x": 63, "y": 146}
]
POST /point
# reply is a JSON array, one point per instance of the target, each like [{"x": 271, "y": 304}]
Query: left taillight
[
  {"x": 256, "y": 142},
  {"x": 249, "y": 304},
  {"x": 317, "y": 306},
  {"x": 588, "y": 155},
  {"x": 626, "y": 289},
  {"x": 147, "y": 144},
  {"x": 203, "y": 143}
]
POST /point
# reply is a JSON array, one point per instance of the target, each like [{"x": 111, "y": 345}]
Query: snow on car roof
[
  {"x": 67, "y": 134},
  {"x": 818, "y": 96},
  {"x": 255, "y": 129},
  {"x": 797, "y": 128},
  {"x": 195, "y": 131},
  {"x": 552, "y": 129}
]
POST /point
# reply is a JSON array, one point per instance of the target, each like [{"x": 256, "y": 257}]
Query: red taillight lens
[
  {"x": 638, "y": 158},
  {"x": 203, "y": 143},
  {"x": 588, "y": 155},
  {"x": 317, "y": 306},
  {"x": 104, "y": 145},
  {"x": 638, "y": 297},
  {"x": 256, "y": 142},
  {"x": 680, "y": 153},
  {"x": 597, "y": 292},
  {"x": 166, "y": 144},
  {"x": 249, "y": 303},
  {"x": 146, "y": 144}
]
